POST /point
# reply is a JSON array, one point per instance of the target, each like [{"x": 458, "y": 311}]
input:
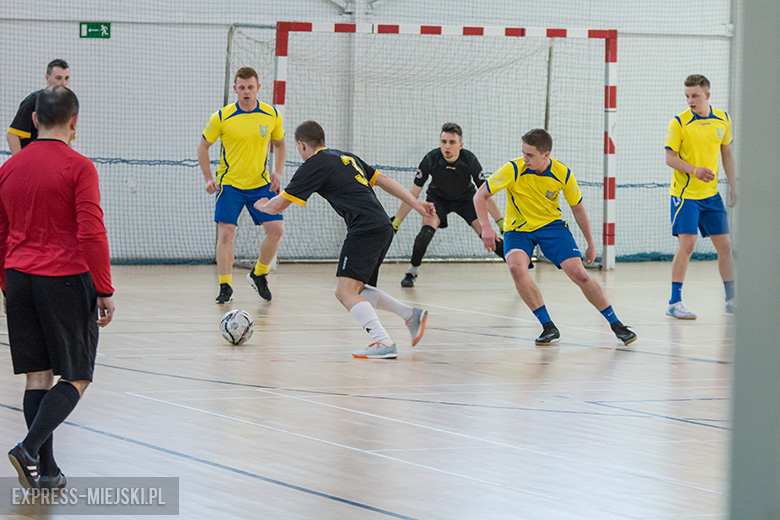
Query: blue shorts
[
  {"x": 230, "y": 202},
  {"x": 554, "y": 239},
  {"x": 706, "y": 215}
]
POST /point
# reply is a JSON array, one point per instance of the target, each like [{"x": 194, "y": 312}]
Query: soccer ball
[{"x": 236, "y": 326}]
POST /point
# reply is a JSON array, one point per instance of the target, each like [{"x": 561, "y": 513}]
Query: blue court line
[
  {"x": 688, "y": 421},
  {"x": 229, "y": 468},
  {"x": 360, "y": 396}
]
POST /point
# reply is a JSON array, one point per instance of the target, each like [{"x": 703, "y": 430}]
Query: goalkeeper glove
[
  {"x": 396, "y": 224},
  {"x": 500, "y": 224}
]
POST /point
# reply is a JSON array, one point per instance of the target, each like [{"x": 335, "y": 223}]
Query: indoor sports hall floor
[{"x": 476, "y": 422}]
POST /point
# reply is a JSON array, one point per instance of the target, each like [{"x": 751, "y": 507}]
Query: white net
[{"x": 385, "y": 97}]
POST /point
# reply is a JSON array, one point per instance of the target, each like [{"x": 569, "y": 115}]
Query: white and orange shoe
[
  {"x": 377, "y": 351},
  {"x": 416, "y": 325}
]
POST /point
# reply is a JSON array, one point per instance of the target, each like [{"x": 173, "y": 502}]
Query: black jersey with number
[
  {"x": 22, "y": 125},
  {"x": 345, "y": 181},
  {"x": 452, "y": 181}
]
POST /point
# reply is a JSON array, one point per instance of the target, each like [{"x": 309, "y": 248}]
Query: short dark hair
[
  {"x": 56, "y": 63},
  {"x": 246, "y": 73},
  {"x": 452, "y": 128},
  {"x": 311, "y": 133},
  {"x": 56, "y": 106},
  {"x": 697, "y": 80},
  {"x": 539, "y": 138}
]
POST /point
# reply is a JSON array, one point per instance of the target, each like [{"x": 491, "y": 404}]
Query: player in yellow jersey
[
  {"x": 533, "y": 217},
  {"x": 695, "y": 139},
  {"x": 246, "y": 128}
]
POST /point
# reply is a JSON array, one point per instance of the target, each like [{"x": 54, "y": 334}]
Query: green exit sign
[{"x": 95, "y": 30}]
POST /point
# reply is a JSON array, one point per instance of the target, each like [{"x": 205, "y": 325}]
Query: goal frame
[{"x": 283, "y": 30}]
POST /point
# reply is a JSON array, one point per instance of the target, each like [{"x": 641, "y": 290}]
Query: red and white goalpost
[{"x": 609, "y": 37}]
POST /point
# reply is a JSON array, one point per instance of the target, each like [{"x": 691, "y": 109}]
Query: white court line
[
  {"x": 555, "y": 384},
  {"x": 620, "y": 469},
  {"x": 344, "y": 446}
]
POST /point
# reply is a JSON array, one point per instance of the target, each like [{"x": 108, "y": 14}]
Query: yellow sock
[
  {"x": 226, "y": 278},
  {"x": 261, "y": 269}
]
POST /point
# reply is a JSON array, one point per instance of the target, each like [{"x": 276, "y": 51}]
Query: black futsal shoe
[
  {"x": 259, "y": 284},
  {"x": 549, "y": 334},
  {"x": 623, "y": 333},
  {"x": 225, "y": 294},
  {"x": 408, "y": 280}
]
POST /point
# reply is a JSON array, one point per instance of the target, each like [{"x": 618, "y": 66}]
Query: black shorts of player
[
  {"x": 463, "y": 207},
  {"x": 363, "y": 253},
  {"x": 52, "y": 324}
]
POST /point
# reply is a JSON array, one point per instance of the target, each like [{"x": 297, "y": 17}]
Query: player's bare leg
[
  {"x": 722, "y": 245},
  {"x": 595, "y": 294},
  {"x": 685, "y": 244},
  {"x": 348, "y": 293},
  {"x": 257, "y": 278},
  {"x": 590, "y": 288},
  {"x": 224, "y": 254},
  {"x": 518, "y": 262}
]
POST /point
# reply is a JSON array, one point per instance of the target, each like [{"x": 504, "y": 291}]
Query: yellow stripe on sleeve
[{"x": 293, "y": 198}]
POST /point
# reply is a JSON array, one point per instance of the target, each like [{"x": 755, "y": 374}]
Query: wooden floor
[{"x": 476, "y": 422}]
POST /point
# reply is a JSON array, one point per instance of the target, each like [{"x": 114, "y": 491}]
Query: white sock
[
  {"x": 365, "y": 314},
  {"x": 413, "y": 270},
  {"x": 384, "y": 302}
]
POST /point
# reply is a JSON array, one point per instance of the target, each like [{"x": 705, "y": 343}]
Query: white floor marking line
[{"x": 344, "y": 446}]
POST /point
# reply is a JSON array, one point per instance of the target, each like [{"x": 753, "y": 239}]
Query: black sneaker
[
  {"x": 25, "y": 465},
  {"x": 549, "y": 334},
  {"x": 225, "y": 293},
  {"x": 623, "y": 333},
  {"x": 408, "y": 280},
  {"x": 57, "y": 483},
  {"x": 259, "y": 284}
]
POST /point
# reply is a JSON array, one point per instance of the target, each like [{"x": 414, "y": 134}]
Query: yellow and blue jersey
[
  {"x": 532, "y": 198},
  {"x": 697, "y": 140},
  {"x": 245, "y": 139}
]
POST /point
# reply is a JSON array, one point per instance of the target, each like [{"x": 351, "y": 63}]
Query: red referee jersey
[{"x": 51, "y": 223}]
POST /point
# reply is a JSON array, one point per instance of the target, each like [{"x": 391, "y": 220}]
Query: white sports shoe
[
  {"x": 377, "y": 351},
  {"x": 731, "y": 306},
  {"x": 680, "y": 311},
  {"x": 416, "y": 324}
]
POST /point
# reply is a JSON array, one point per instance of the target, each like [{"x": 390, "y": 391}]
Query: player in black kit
[
  {"x": 455, "y": 174},
  {"x": 346, "y": 182}
]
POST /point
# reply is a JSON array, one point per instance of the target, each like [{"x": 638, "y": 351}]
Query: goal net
[{"x": 383, "y": 92}]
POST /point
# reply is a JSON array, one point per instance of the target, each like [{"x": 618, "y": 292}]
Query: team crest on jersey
[
  {"x": 720, "y": 134},
  {"x": 263, "y": 131},
  {"x": 552, "y": 195}
]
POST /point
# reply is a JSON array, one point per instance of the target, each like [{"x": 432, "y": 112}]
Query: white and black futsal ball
[{"x": 236, "y": 326}]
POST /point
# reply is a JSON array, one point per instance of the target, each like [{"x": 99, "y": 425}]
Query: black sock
[
  {"x": 424, "y": 238},
  {"x": 32, "y": 401},
  {"x": 55, "y": 406}
]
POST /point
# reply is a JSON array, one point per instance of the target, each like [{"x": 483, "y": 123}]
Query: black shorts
[
  {"x": 52, "y": 324},
  {"x": 463, "y": 207},
  {"x": 363, "y": 253}
]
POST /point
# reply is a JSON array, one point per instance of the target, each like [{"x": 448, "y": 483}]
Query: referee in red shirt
[{"x": 56, "y": 278}]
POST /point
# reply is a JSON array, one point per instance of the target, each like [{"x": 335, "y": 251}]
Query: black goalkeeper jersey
[{"x": 453, "y": 181}]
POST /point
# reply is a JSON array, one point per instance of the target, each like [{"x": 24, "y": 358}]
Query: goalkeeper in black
[{"x": 455, "y": 176}]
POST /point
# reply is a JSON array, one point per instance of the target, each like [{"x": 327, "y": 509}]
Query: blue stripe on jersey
[
  {"x": 568, "y": 174},
  {"x": 227, "y": 166},
  {"x": 516, "y": 172}
]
